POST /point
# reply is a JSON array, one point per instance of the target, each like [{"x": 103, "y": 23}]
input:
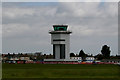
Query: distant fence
[{"x": 57, "y": 62}]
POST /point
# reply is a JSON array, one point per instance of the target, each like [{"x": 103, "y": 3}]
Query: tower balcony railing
[{"x": 59, "y": 31}]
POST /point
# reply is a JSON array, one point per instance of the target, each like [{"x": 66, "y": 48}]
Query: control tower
[{"x": 60, "y": 39}]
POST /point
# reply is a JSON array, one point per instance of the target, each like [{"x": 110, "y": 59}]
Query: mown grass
[{"x": 57, "y": 71}]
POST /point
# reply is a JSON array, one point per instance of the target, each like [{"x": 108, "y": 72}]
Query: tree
[
  {"x": 82, "y": 55},
  {"x": 99, "y": 57},
  {"x": 9, "y": 56},
  {"x": 77, "y": 55},
  {"x": 105, "y": 51},
  {"x": 50, "y": 56},
  {"x": 72, "y": 55},
  {"x": 38, "y": 53},
  {"x": 13, "y": 55}
]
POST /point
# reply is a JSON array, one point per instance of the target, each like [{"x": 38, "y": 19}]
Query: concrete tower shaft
[{"x": 60, "y": 38}]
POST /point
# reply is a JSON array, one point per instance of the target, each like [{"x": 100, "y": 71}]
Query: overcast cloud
[{"x": 26, "y": 26}]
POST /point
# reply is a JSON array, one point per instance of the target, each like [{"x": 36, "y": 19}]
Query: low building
[
  {"x": 111, "y": 60},
  {"x": 15, "y": 58},
  {"x": 25, "y": 58},
  {"x": 79, "y": 59}
]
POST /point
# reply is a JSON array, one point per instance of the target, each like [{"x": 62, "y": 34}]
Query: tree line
[{"x": 105, "y": 54}]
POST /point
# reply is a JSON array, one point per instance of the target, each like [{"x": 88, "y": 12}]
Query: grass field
[{"x": 64, "y": 71}]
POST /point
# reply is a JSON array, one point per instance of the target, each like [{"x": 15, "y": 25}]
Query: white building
[{"x": 79, "y": 59}]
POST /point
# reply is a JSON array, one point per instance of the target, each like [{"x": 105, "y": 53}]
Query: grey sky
[{"x": 26, "y": 26}]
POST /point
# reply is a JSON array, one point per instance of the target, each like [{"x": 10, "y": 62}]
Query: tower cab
[{"x": 60, "y": 27}]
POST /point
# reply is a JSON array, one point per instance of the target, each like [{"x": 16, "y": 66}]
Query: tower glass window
[{"x": 60, "y": 27}]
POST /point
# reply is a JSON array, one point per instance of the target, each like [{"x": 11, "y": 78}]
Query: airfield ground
[{"x": 60, "y": 71}]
